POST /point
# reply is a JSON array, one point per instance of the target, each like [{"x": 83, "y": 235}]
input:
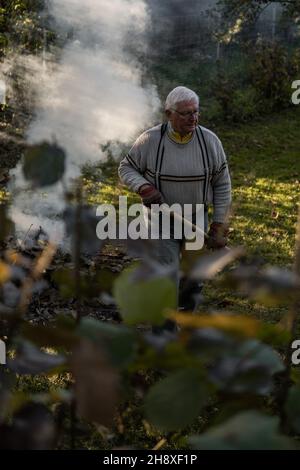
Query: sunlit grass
[
  {"x": 106, "y": 192},
  {"x": 265, "y": 167},
  {"x": 264, "y": 219},
  {"x": 4, "y": 195}
]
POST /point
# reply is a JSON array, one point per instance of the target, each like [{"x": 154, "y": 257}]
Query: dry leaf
[{"x": 5, "y": 272}]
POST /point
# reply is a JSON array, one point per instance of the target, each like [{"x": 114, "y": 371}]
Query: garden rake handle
[
  {"x": 181, "y": 219},
  {"x": 186, "y": 221}
]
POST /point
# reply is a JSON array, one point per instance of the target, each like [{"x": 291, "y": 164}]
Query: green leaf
[
  {"x": 117, "y": 340},
  {"x": 144, "y": 301},
  {"x": 175, "y": 401},
  {"x": 292, "y": 407},
  {"x": 249, "y": 430},
  {"x": 247, "y": 369},
  {"x": 44, "y": 164},
  {"x": 263, "y": 355}
]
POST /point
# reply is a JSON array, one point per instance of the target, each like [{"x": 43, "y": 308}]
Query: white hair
[{"x": 178, "y": 94}]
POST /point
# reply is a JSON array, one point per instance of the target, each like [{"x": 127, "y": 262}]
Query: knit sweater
[{"x": 195, "y": 172}]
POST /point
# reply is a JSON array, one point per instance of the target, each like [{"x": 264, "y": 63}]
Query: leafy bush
[
  {"x": 233, "y": 104},
  {"x": 245, "y": 105},
  {"x": 223, "y": 92},
  {"x": 272, "y": 73}
]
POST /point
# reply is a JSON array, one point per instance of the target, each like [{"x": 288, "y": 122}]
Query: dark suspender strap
[
  {"x": 163, "y": 129},
  {"x": 157, "y": 171},
  {"x": 204, "y": 154}
]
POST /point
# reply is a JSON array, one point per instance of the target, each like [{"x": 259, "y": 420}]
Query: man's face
[{"x": 184, "y": 118}]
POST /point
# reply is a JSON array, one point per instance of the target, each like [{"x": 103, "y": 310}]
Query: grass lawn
[{"x": 265, "y": 167}]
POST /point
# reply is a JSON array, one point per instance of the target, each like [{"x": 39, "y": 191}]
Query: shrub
[
  {"x": 272, "y": 72},
  {"x": 245, "y": 105}
]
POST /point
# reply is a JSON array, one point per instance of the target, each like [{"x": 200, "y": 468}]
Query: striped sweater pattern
[{"x": 192, "y": 173}]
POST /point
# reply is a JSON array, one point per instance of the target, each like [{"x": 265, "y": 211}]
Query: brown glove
[
  {"x": 217, "y": 236},
  {"x": 150, "y": 195}
]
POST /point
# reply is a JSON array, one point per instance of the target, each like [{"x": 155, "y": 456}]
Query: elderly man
[{"x": 181, "y": 162}]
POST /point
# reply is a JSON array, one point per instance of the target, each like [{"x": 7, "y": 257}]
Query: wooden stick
[{"x": 182, "y": 219}]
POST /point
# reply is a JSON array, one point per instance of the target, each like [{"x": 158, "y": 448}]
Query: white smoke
[
  {"x": 91, "y": 98},
  {"x": 95, "y": 93},
  {"x": 90, "y": 95},
  {"x": 101, "y": 17}
]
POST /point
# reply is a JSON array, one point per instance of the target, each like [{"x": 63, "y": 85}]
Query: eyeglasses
[{"x": 187, "y": 114}]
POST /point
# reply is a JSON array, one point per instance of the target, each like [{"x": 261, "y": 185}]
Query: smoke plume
[{"x": 89, "y": 95}]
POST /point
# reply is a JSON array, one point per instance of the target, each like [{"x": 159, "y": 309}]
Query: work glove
[
  {"x": 150, "y": 195},
  {"x": 217, "y": 236}
]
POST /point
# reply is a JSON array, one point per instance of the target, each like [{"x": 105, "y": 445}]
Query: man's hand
[
  {"x": 217, "y": 236},
  {"x": 150, "y": 195}
]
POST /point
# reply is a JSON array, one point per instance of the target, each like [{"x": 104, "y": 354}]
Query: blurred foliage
[
  {"x": 141, "y": 305},
  {"x": 184, "y": 380},
  {"x": 217, "y": 358},
  {"x": 246, "y": 431},
  {"x": 52, "y": 169}
]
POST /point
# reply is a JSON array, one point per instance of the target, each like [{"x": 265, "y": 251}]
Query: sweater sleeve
[
  {"x": 132, "y": 166},
  {"x": 221, "y": 184}
]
